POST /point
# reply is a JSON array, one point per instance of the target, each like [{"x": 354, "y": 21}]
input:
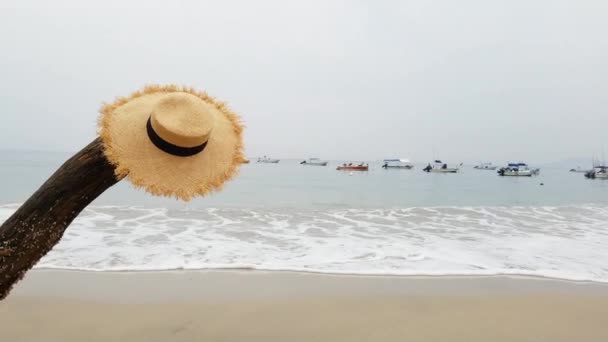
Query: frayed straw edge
[{"x": 121, "y": 171}]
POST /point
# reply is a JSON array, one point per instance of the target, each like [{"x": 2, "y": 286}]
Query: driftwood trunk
[{"x": 39, "y": 223}]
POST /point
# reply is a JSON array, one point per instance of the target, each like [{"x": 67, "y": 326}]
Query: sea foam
[{"x": 568, "y": 242}]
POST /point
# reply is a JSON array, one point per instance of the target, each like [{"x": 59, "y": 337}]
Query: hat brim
[{"x": 122, "y": 128}]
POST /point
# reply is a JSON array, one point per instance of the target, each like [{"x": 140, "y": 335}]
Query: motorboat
[
  {"x": 398, "y": 164},
  {"x": 439, "y": 167},
  {"x": 353, "y": 167},
  {"x": 518, "y": 170},
  {"x": 598, "y": 172},
  {"x": 485, "y": 166},
  {"x": 268, "y": 160},
  {"x": 314, "y": 162}
]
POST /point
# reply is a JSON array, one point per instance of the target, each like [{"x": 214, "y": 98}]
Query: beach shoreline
[
  {"x": 245, "y": 305},
  {"x": 228, "y": 283}
]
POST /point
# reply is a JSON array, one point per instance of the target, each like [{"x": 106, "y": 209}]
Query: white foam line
[
  {"x": 565, "y": 242},
  {"x": 525, "y": 273}
]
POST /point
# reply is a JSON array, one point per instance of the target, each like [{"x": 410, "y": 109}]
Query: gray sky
[{"x": 460, "y": 80}]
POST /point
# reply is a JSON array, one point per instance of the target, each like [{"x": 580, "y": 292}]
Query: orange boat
[{"x": 351, "y": 167}]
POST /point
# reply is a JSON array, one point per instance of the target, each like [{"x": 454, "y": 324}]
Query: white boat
[
  {"x": 268, "y": 160},
  {"x": 398, "y": 164},
  {"x": 440, "y": 167},
  {"x": 598, "y": 172},
  {"x": 314, "y": 162},
  {"x": 485, "y": 166},
  {"x": 518, "y": 170}
]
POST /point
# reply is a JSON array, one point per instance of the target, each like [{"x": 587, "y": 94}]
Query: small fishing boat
[
  {"x": 268, "y": 160},
  {"x": 398, "y": 164},
  {"x": 314, "y": 162},
  {"x": 518, "y": 170},
  {"x": 598, "y": 172},
  {"x": 485, "y": 166},
  {"x": 352, "y": 167},
  {"x": 440, "y": 167},
  {"x": 581, "y": 170}
]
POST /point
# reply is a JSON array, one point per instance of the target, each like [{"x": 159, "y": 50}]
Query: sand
[{"x": 284, "y": 306}]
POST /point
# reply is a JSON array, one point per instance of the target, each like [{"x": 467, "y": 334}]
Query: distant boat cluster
[
  {"x": 510, "y": 170},
  {"x": 598, "y": 171}
]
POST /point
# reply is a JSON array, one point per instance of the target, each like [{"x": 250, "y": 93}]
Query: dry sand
[{"x": 283, "y": 306}]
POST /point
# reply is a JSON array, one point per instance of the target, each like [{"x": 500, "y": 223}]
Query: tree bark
[{"x": 40, "y": 222}]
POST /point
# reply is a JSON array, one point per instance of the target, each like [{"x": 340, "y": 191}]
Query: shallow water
[{"x": 291, "y": 217}]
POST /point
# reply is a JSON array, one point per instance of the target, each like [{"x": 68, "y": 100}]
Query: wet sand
[{"x": 285, "y": 306}]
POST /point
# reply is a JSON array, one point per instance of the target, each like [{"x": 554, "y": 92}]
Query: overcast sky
[{"x": 463, "y": 80}]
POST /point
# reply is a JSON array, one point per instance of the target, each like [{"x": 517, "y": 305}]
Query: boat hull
[
  {"x": 516, "y": 174},
  {"x": 315, "y": 164},
  {"x": 443, "y": 171},
  {"x": 406, "y": 167},
  {"x": 352, "y": 168},
  {"x": 596, "y": 175},
  {"x": 523, "y": 173}
]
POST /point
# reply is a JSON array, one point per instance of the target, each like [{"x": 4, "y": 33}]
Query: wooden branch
[{"x": 40, "y": 222}]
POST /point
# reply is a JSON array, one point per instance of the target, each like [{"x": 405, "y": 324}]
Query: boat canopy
[{"x": 405, "y": 161}]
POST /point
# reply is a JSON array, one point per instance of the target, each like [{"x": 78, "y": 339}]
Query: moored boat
[
  {"x": 485, "y": 166},
  {"x": 598, "y": 172},
  {"x": 440, "y": 167},
  {"x": 518, "y": 170},
  {"x": 268, "y": 160},
  {"x": 398, "y": 164},
  {"x": 581, "y": 170},
  {"x": 314, "y": 162},
  {"x": 352, "y": 167}
]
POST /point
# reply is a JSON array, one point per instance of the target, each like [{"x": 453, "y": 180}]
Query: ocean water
[{"x": 304, "y": 218}]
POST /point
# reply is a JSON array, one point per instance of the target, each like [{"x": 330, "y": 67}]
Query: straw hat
[{"x": 171, "y": 141}]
